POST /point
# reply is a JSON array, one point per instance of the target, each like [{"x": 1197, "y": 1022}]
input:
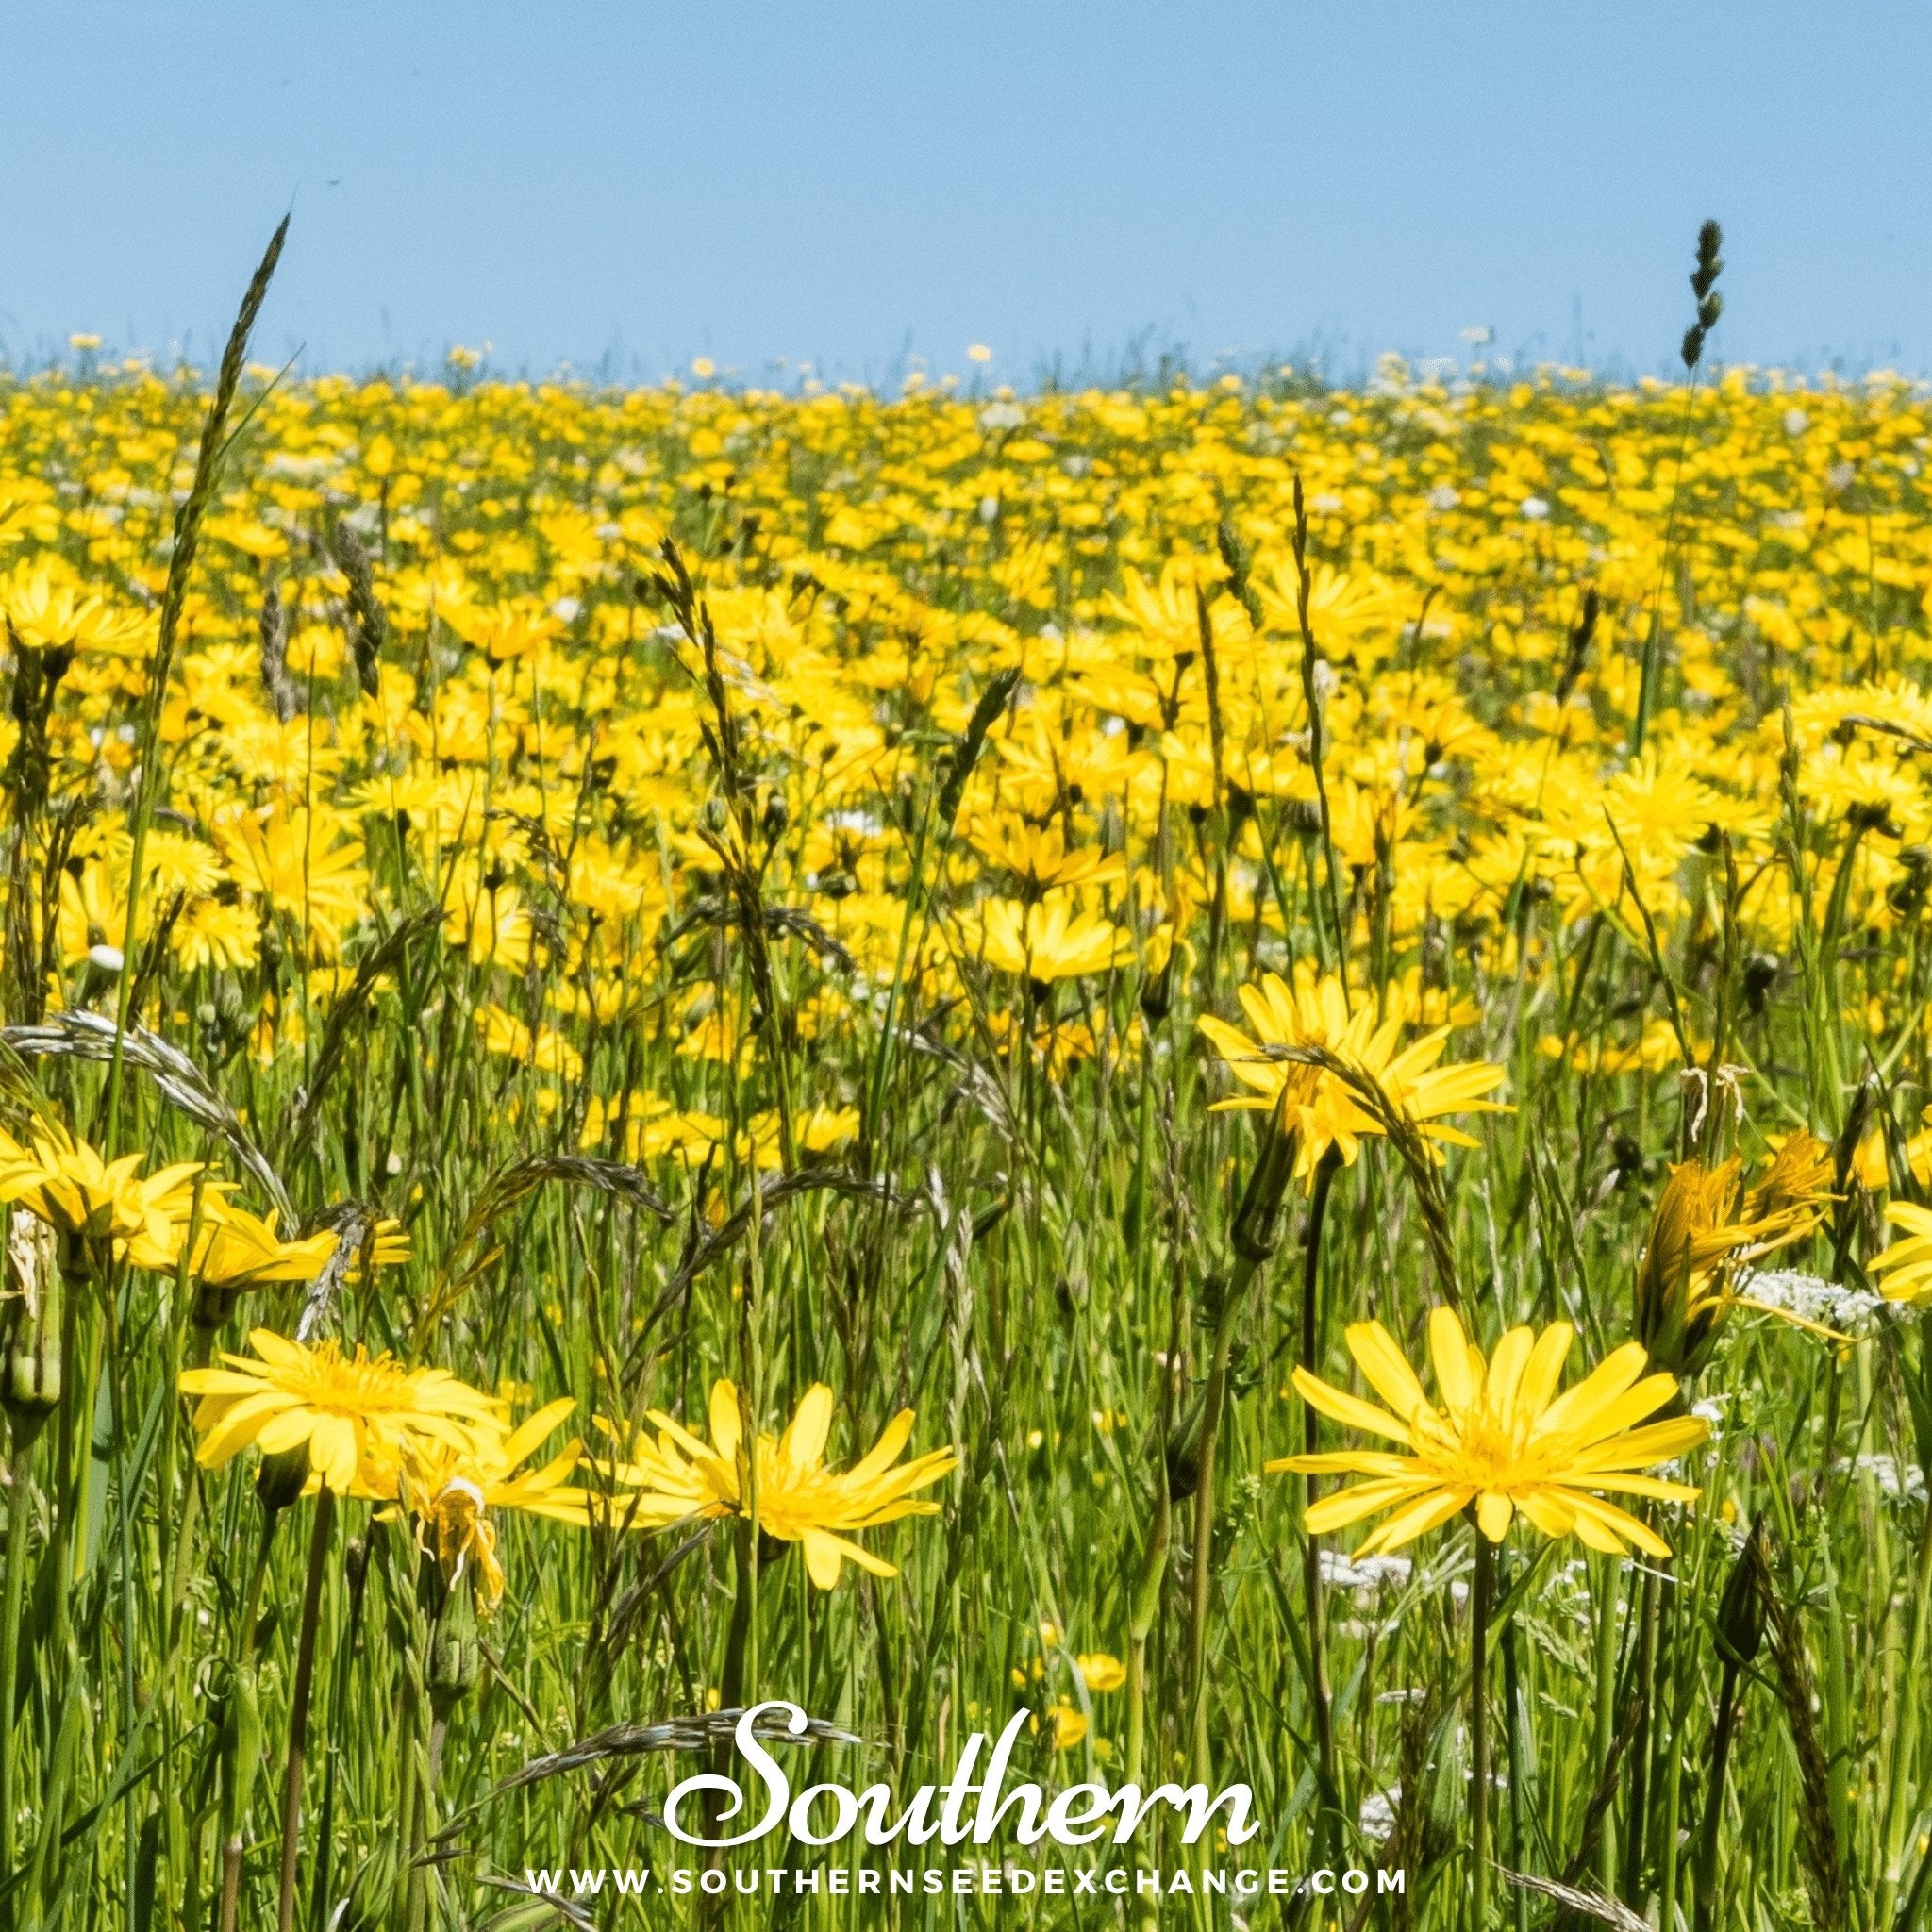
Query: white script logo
[{"x": 1077, "y": 1816}]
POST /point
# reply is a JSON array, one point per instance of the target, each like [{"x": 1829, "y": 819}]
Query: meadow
[{"x": 619, "y": 1009}]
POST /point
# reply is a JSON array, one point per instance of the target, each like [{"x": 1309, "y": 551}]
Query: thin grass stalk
[
  {"x": 1905, "y": 1748},
  {"x": 187, "y": 520},
  {"x": 1215, "y": 1395},
  {"x": 1608, "y": 1592},
  {"x": 1514, "y": 1739}
]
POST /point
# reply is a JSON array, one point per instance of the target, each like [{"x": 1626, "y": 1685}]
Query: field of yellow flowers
[{"x": 1236, "y": 1063}]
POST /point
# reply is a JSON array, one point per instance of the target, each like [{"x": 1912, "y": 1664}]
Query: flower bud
[
  {"x": 370, "y": 1901},
  {"x": 1183, "y": 1454},
  {"x": 1742, "y": 1613},
  {"x": 31, "y": 1380},
  {"x": 455, "y": 1655},
  {"x": 282, "y": 1477},
  {"x": 1257, "y": 1220}
]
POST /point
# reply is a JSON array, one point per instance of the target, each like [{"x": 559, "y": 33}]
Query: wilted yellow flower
[
  {"x": 1706, "y": 1226},
  {"x": 450, "y": 1488},
  {"x": 236, "y": 1249}
]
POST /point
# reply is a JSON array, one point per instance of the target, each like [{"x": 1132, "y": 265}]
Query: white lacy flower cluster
[{"x": 1852, "y": 1311}]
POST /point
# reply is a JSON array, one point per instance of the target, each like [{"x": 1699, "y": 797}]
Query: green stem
[
  {"x": 1234, "y": 1300},
  {"x": 19, "y": 1508},
  {"x": 1905, "y": 1750},
  {"x": 1607, "y": 1596},
  {"x": 1513, "y": 1741},
  {"x": 1705, "y": 1875},
  {"x": 1479, "y": 1733},
  {"x": 298, "y": 1708},
  {"x": 1146, "y": 1608},
  {"x": 1312, "y": 1548},
  {"x": 1637, "y": 1821}
]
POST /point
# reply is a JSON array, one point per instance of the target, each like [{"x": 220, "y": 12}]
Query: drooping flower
[
  {"x": 1498, "y": 1438},
  {"x": 449, "y": 1488},
  {"x": 799, "y": 1499},
  {"x": 237, "y": 1249}
]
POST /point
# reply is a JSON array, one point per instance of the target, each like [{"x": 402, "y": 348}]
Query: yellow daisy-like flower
[
  {"x": 46, "y": 610},
  {"x": 237, "y": 1249},
  {"x": 350, "y": 1410},
  {"x": 1316, "y": 1104},
  {"x": 1049, "y": 940},
  {"x": 1039, "y": 853},
  {"x": 1907, "y": 1265},
  {"x": 799, "y": 1499},
  {"x": 90, "y": 1200},
  {"x": 1500, "y": 1439}
]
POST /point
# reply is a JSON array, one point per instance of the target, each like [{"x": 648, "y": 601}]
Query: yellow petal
[
  {"x": 1544, "y": 1369},
  {"x": 1506, "y": 1371},
  {"x": 1386, "y": 1368},
  {"x": 1349, "y": 1506},
  {"x": 726, "y": 1425},
  {"x": 1350, "y": 1409},
  {"x": 1494, "y": 1512},
  {"x": 1578, "y": 1407},
  {"x": 1449, "y": 1352},
  {"x": 803, "y": 1444}
]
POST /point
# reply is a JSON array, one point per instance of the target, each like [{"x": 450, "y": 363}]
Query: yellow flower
[
  {"x": 349, "y": 1411},
  {"x": 98, "y": 1202},
  {"x": 1907, "y": 1265},
  {"x": 1100, "y": 1671},
  {"x": 1502, "y": 1439},
  {"x": 236, "y": 1249},
  {"x": 1039, "y": 854},
  {"x": 799, "y": 1499},
  {"x": 1708, "y": 1226},
  {"x": 450, "y": 1488},
  {"x": 1316, "y": 1104},
  {"x": 1049, "y": 940},
  {"x": 1069, "y": 1725},
  {"x": 300, "y": 864},
  {"x": 45, "y": 610}
]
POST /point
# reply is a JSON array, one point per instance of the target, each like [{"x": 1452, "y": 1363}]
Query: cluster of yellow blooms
[
  {"x": 458, "y": 671},
  {"x": 423, "y": 633}
]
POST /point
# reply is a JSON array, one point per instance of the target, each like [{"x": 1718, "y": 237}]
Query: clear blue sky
[{"x": 841, "y": 182}]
